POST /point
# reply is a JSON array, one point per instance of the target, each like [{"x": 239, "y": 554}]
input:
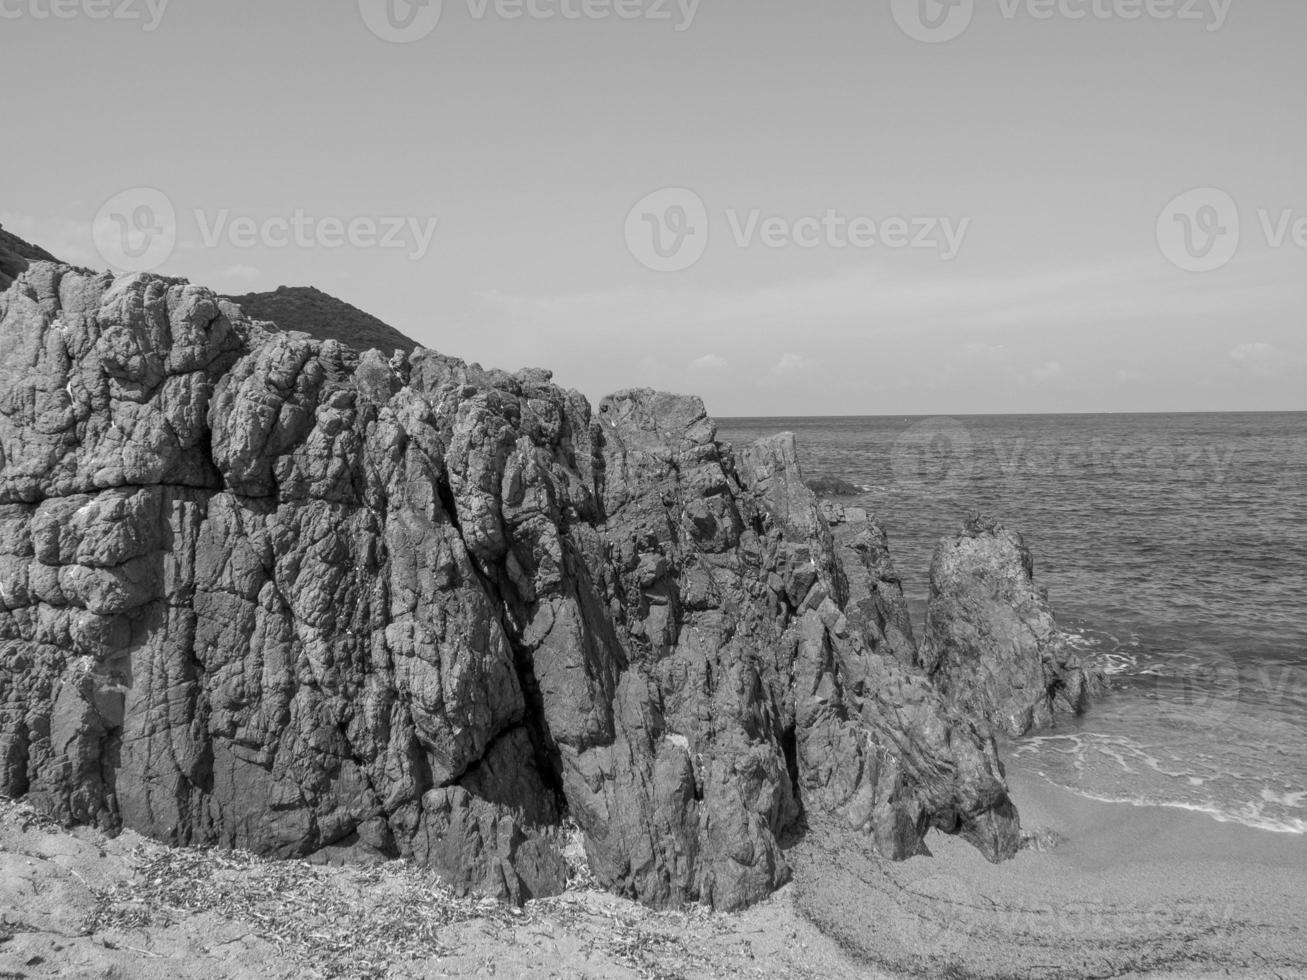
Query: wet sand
[{"x": 1127, "y": 891}]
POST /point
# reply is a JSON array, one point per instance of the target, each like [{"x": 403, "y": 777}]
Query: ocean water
[{"x": 1174, "y": 549}]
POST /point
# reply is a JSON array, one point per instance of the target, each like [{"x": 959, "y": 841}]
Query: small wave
[
  {"x": 1113, "y": 664},
  {"x": 1284, "y": 799},
  {"x": 1108, "y": 652},
  {"x": 1248, "y": 814},
  {"x": 1118, "y": 769}
]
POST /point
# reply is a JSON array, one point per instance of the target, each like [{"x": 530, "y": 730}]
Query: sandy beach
[
  {"x": 1104, "y": 890},
  {"x": 75, "y": 904}
]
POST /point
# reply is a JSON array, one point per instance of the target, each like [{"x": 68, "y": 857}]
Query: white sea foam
[
  {"x": 1286, "y": 799},
  {"x": 1250, "y": 815},
  {"x": 1120, "y": 769},
  {"x": 1107, "y": 652}
]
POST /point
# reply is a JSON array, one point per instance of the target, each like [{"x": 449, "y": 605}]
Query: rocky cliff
[
  {"x": 991, "y": 644},
  {"x": 261, "y": 590}
]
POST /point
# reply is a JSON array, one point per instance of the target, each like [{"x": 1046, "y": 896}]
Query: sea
[{"x": 1174, "y": 551}]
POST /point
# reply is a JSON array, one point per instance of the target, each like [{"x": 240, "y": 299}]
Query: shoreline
[
  {"x": 1087, "y": 818},
  {"x": 1109, "y": 889}
]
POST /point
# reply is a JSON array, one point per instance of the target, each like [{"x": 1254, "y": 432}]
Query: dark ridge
[
  {"x": 311, "y": 311},
  {"x": 16, "y": 255}
]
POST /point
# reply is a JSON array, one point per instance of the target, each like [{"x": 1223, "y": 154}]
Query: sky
[{"x": 893, "y": 207}]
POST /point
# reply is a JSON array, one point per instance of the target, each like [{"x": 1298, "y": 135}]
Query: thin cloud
[
  {"x": 709, "y": 364},
  {"x": 792, "y": 365},
  {"x": 1047, "y": 373},
  {"x": 1262, "y": 360},
  {"x": 1146, "y": 288}
]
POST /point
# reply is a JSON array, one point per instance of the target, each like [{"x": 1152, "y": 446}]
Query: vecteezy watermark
[
  {"x": 934, "y": 455},
  {"x": 406, "y": 21},
  {"x": 1201, "y": 690},
  {"x": 927, "y": 914},
  {"x": 1017, "y": 459},
  {"x": 922, "y": 919},
  {"x": 679, "y": 13},
  {"x": 669, "y": 230},
  {"x": 937, "y": 21},
  {"x": 838, "y": 231},
  {"x": 303, "y": 230},
  {"x": 148, "y": 12},
  {"x": 1199, "y": 231},
  {"x": 137, "y": 230},
  {"x": 1202, "y": 230},
  {"x": 942, "y": 456},
  {"x": 933, "y": 21},
  {"x": 401, "y": 21}
]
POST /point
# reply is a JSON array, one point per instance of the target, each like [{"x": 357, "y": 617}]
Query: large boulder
[
  {"x": 260, "y": 590},
  {"x": 992, "y": 645}
]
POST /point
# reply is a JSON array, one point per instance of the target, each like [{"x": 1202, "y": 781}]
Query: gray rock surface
[
  {"x": 991, "y": 643},
  {"x": 877, "y": 600},
  {"x": 260, "y": 590}
]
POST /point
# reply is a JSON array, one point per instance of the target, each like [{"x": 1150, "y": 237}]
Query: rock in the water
[
  {"x": 832, "y": 486},
  {"x": 261, "y": 590},
  {"x": 991, "y": 644}
]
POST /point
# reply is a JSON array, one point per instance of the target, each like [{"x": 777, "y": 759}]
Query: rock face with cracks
[
  {"x": 991, "y": 643},
  {"x": 263, "y": 591}
]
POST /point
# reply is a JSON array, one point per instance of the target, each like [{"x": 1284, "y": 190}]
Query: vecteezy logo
[
  {"x": 933, "y": 21},
  {"x": 933, "y": 456},
  {"x": 136, "y": 231},
  {"x": 1199, "y": 689},
  {"x": 921, "y": 919},
  {"x": 667, "y": 231},
  {"x": 401, "y": 21},
  {"x": 1199, "y": 230}
]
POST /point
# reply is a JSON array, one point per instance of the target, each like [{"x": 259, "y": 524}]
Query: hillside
[
  {"x": 301, "y": 308},
  {"x": 15, "y": 255},
  {"x": 320, "y": 315}
]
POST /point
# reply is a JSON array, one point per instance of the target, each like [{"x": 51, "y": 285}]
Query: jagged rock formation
[
  {"x": 311, "y": 311},
  {"x": 991, "y": 642},
  {"x": 16, "y": 255},
  {"x": 876, "y": 593},
  {"x": 261, "y": 590}
]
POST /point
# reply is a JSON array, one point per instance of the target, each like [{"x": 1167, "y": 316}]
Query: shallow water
[{"x": 1174, "y": 548}]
